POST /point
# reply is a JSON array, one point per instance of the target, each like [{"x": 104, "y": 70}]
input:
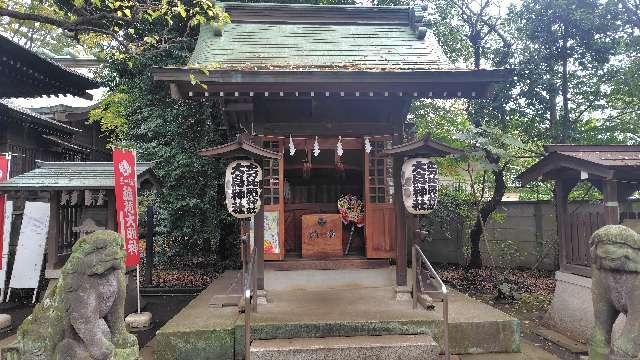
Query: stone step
[{"x": 386, "y": 347}]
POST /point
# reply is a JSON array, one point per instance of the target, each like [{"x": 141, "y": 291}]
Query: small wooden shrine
[
  {"x": 612, "y": 169},
  {"x": 80, "y": 197},
  {"x": 615, "y": 171},
  {"x": 327, "y": 89}
]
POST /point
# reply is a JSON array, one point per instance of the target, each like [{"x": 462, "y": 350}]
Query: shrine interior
[{"x": 313, "y": 185}]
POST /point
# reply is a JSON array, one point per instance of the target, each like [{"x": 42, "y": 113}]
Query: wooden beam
[
  {"x": 259, "y": 244},
  {"x": 338, "y": 76},
  {"x": 174, "y": 89},
  {"x": 400, "y": 214},
  {"x": 248, "y": 106},
  {"x": 425, "y": 146},
  {"x": 561, "y": 200},
  {"x": 240, "y": 147},
  {"x": 611, "y": 202},
  {"x": 111, "y": 211},
  {"x": 52, "y": 235},
  {"x": 557, "y": 161}
]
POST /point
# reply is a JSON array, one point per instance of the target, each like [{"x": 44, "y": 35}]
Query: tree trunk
[
  {"x": 565, "y": 134},
  {"x": 475, "y": 236}
]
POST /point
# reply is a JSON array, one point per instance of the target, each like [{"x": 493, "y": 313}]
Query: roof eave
[
  {"x": 174, "y": 74},
  {"x": 557, "y": 160},
  {"x": 443, "y": 84},
  {"x": 423, "y": 147}
]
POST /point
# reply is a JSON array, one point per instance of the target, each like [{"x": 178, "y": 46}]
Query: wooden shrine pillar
[
  {"x": 400, "y": 214},
  {"x": 561, "y": 199},
  {"x": 401, "y": 225},
  {"x": 52, "y": 235},
  {"x": 425, "y": 147},
  {"x": 258, "y": 232},
  {"x": 611, "y": 202}
]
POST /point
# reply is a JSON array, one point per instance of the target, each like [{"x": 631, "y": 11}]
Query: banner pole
[{"x": 138, "y": 285}]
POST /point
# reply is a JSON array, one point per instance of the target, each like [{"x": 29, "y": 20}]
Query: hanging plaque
[
  {"x": 419, "y": 185},
  {"x": 242, "y": 185}
]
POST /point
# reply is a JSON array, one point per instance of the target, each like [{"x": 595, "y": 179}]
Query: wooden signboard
[
  {"x": 31, "y": 244},
  {"x": 321, "y": 236}
]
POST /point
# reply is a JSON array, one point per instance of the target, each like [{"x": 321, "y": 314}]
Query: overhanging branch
[{"x": 18, "y": 15}]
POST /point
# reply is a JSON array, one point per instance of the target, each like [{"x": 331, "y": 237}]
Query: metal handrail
[
  {"x": 418, "y": 260},
  {"x": 249, "y": 290}
]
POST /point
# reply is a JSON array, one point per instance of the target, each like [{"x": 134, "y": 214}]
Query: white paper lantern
[
  {"x": 242, "y": 188},
  {"x": 419, "y": 185}
]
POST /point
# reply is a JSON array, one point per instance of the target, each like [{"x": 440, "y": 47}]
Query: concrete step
[{"x": 387, "y": 347}]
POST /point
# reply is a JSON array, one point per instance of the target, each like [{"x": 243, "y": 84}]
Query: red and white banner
[
  {"x": 4, "y": 175},
  {"x": 126, "y": 189}
]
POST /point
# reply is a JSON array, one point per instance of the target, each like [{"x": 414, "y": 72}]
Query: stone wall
[{"x": 521, "y": 234}]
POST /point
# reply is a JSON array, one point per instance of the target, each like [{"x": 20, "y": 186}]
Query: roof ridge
[
  {"x": 303, "y": 5},
  {"x": 591, "y": 147},
  {"x": 322, "y": 14},
  {"x": 73, "y": 71},
  {"x": 25, "y": 111},
  {"x": 70, "y": 164}
]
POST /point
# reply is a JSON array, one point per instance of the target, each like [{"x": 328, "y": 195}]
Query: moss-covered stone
[
  {"x": 616, "y": 247},
  {"x": 87, "y": 300},
  {"x": 615, "y": 288},
  {"x": 215, "y": 344}
]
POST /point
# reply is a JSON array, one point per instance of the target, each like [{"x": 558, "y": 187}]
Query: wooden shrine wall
[{"x": 326, "y": 116}]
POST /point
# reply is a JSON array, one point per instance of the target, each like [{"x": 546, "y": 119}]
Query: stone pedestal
[
  {"x": 403, "y": 293},
  {"x": 571, "y": 311},
  {"x": 262, "y": 297},
  {"x": 5, "y": 322},
  {"x": 138, "y": 321}
]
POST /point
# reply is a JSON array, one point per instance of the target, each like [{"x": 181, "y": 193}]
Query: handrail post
[
  {"x": 414, "y": 264},
  {"x": 247, "y": 287},
  {"x": 418, "y": 257},
  {"x": 445, "y": 317},
  {"x": 254, "y": 281}
]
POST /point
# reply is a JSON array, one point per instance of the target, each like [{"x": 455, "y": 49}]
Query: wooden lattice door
[
  {"x": 273, "y": 200},
  {"x": 380, "y": 222}
]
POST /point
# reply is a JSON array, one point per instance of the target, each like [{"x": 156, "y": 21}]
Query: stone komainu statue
[
  {"x": 615, "y": 253},
  {"x": 82, "y": 316}
]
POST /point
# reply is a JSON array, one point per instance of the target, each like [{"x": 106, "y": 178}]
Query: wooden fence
[{"x": 580, "y": 226}]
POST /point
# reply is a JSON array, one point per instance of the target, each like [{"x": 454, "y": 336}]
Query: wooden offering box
[{"x": 321, "y": 236}]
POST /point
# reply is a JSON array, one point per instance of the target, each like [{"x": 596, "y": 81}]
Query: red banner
[
  {"x": 4, "y": 175},
  {"x": 126, "y": 189}
]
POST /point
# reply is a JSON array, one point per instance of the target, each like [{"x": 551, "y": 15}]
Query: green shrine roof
[
  {"x": 320, "y": 37},
  {"x": 72, "y": 176}
]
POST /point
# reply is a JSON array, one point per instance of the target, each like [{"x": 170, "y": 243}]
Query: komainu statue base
[{"x": 82, "y": 316}]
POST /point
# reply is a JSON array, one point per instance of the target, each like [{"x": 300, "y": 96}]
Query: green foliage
[
  {"x": 111, "y": 115},
  {"x": 455, "y": 210},
  {"x": 192, "y": 225},
  {"x": 443, "y": 19},
  {"x": 585, "y": 191},
  {"x": 584, "y": 34},
  {"x": 441, "y": 119},
  {"x": 123, "y": 26},
  {"x": 40, "y": 37}
]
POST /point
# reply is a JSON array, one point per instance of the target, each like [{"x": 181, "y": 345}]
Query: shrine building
[
  {"x": 291, "y": 74},
  {"x": 319, "y": 97}
]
